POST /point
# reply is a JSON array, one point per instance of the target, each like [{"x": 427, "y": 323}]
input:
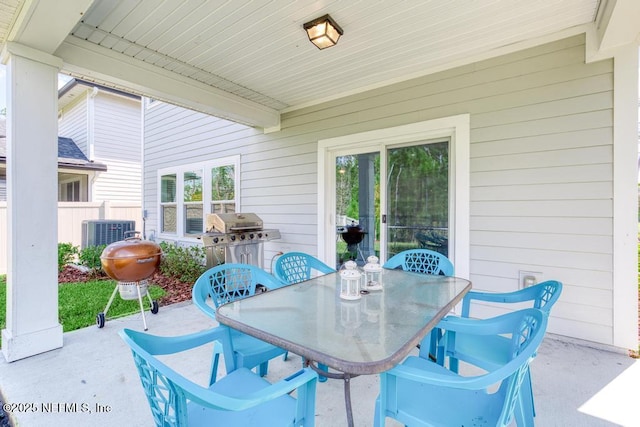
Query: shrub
[
  {"x": 90, "y": 258},
  {"x": 66, "y": 254},
  {"x": 185, "y": 263}
]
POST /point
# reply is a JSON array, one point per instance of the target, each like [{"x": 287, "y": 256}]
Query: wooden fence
[{"x": 70, "y": 217}]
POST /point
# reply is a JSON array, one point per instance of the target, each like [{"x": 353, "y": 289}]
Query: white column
[
  {"x": 625, "y": 197},
  {"x": 32, "y": 206}
]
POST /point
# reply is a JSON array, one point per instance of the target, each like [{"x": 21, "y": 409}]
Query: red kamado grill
[{"x": 131, "y": 262}]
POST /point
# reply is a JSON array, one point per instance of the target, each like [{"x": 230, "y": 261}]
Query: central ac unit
[{"x": 97, "y": 232}]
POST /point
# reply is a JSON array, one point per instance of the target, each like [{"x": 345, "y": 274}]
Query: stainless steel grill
[{"x": 236, "y": 238}]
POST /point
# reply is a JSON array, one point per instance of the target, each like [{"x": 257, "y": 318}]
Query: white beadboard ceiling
[{"x": 258, "y": 51}]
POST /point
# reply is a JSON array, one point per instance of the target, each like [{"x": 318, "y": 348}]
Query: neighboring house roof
[
  {"x": 76, "y": 87},
  {"x": 69, "y": 155}
]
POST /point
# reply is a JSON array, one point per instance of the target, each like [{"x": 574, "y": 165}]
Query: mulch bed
[{"x": 176, "y": 291}]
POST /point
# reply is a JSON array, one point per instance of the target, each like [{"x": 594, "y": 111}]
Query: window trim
[
  {"x": 82, "y": 179},
  {"x": 179, "y": 171}
]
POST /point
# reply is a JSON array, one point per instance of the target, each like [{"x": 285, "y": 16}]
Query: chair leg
[
  {"x": 525, "y": 412},
  {"x": 214, "y": 369},
  {"x": 453, "y": 364},
  {"x": 434, "y": 339},
  {"x": 323, "y": 368},
  {"x": 376, "y": 414},
  {"x": 451, "y": 345},
  {"x": 530, "y": 388},
  {"x": 263, "y": 368}
]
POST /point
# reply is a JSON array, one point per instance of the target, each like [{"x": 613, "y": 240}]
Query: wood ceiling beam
[
  {"x": 617, "y": 24},
  {"x": 105, "y": 66},
  {"x": 44, "y": 24}
]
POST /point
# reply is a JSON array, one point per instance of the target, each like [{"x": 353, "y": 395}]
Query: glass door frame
[
  {"x": 455, "y": 128},
  {"x": 339, "y": 152}
]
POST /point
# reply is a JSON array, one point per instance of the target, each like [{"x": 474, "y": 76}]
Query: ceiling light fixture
[{"x": 323, "y": 32}]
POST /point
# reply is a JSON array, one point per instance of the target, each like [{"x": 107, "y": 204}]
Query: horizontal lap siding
[
  {"x": 117, "y": 143},
  {"x": 278, "y": 175},
  {"x": 541, "y": 167},
  {"x": 541, "y": 197},
  {"x": 73, "y": 123}
]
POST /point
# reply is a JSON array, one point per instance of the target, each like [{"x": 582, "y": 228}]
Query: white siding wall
[
  {"x": 541, "y": 168},
  {"x": 117, "y": 143},
  {"x": 73, "y": 123}
]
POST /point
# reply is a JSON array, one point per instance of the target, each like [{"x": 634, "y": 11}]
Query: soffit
[{"x": 259, "y": 51}]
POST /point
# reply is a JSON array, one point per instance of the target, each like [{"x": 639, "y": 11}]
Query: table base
[{"x": 347, "y": 386}]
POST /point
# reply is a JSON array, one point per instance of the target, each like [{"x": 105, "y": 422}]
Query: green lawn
[{"x": 79, "y": 303}]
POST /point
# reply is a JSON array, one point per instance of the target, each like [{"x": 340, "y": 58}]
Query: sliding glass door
[
  {"x": 417, "y": 213},
  {"x": 391, "y": 199},
  {"x": 357, "y": 200}
]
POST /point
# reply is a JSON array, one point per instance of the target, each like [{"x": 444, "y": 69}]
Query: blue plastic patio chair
[
  {"x": 241, "y": 398},
  {"x": 295, "y": 267},
  {"x": 422, "y": 261},
  {"x": 488, "y": 352},
  {"x": 228, "y": 282},
  {"x": 421, "y": 392}
]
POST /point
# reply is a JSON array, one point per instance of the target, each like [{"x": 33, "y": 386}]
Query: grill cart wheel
[
  {"x": 100, "y": 320},
  {"x": 154, "y": 307}
]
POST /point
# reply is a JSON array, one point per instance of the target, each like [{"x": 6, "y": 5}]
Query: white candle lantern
[
  {"x": 350, "y": 281},
  {"x": 373, "y": 274}
]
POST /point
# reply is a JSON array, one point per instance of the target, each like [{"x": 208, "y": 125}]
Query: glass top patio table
[{"x": 366, "y": 336}]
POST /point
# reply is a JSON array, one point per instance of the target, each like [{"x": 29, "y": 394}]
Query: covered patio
[
  {"x": 537, "y": 101},
  {"x": 92, "y": 380}
]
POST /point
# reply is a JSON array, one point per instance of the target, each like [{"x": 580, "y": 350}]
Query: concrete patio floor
[{"x": 92, "y": 380}]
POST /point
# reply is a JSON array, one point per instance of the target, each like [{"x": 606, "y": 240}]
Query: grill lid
[{"x": 231, "y": 222}]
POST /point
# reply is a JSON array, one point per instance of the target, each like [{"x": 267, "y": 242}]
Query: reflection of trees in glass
[
  {"x": 223, "y": 183},
  {"x": 193, "y": 186},
  {"x": 168, "y": 188},
  {"x": 347, "y": 186},
  {"x": 168, "y": 185},
  {"x": 418, "y": 185}
]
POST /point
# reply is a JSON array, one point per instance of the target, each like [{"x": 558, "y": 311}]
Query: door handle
[{"x": 384, "y": 219}]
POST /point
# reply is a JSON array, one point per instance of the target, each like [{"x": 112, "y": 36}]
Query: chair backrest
[
  {"x": 240, "y": 398},
  {"x": 294, "y": 267},
  {"x": 167, "y": 391},
  {"x": 542, "y": 296},
  {"x": 525, "y": 329},
  {"x": 228, "y": 282},
  {"x": 547, "y": 294},
  {"x": 422, "y": 261}
]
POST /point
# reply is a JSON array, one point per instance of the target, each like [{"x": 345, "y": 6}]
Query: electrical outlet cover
[{"x": 528, "y": 278}]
